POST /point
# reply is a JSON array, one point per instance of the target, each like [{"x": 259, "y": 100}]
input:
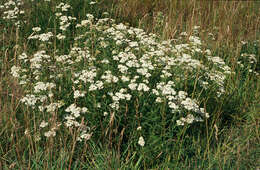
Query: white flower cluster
[
  {"x": 141, "y": 141},
  {"x": 78, "y": 94},
  {"x": 218, "y": 70},
  {"x": 86, "y": 22},
  {"x": 80, "y": 54},
  {"x": 44, "y": 37},
  {"x": 29, "y": 100},
  {"x": 15, "y": 71},
  {"x": 85, "y": 133},
  {"x": 248, "y": 61},
  {"x": 175, "y": 100},
  {"x": 64, "y": 7},
  {"x": 65, "y": 21},
  {"x": 101, "y": 80},
  {"x": 43, "y": 124},
  {"x": 75, "y": 111},
  {"x": 188, "y": 119},
  {"x": 108, "y": 77},
  {"x": 118, "y": 96},
  {"x": 41, "y": 86},
  {"x": 251, "y": 57},
  {"x": 71, "y": 121},
  {"x": 84, "y": 136},
  {"x": 52, "y": 131},
  {"x": 98, "y": 85},
  {"x": 86, "y": 76},
  {"x": 52, "y": 107}
]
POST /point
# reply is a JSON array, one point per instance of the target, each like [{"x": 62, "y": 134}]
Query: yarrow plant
[{"x": 116, "y": 73}]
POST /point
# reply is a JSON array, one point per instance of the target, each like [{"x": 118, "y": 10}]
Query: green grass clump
[{"x": 83, "y": 91}]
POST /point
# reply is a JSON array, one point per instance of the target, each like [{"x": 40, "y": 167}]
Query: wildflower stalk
[{"x": 74, "y": 141}]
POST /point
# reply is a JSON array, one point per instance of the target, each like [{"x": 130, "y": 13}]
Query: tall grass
[
  {"x": 80, "y": 90},
  {"x": 232, "y": 21}
]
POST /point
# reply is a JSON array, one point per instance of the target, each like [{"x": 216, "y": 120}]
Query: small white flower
[
  {"x": 36, "y": 29},
  {"x": 124, "y": 78},
  {"x": 182, "y": 95},
  {"x": 92, "y": 87},
  {"x": 60, "y": 36},
  {"x": 50, "y": 133},
  {"x": 143, "y": 87},
  {"x": 133, "y": 44},
  {"x": 190, "y": 118},
  {"x": 172, "y": 105},
  {"x": 98, "y": 105},
  {"x": 58, "y": 14},
  {"x": 90, "y": 16},
  {"x": 154, "y": 91},
  {"x": 15, "y": 71},
  {"x": 158, "y": 100},
  {"x": 41, "y": 108},
  {"x": 22, "y": 56},
  {"x": 132, "y": 86},
  {"x": 92, "y": 3},
  {"x": 121, "y": 26},
  {"x": 78, "y": 94},
  {"x": 141, "y": 141},
  {"x": 85, "y": 22},
  {"x": 50, "y": 95},
  {"x": 184, "y": 34},
  {"x": 139, "y": 128},
  {"x": 180, "y": 123},
  {"x": 26, "y": 132},
  {"x": 40, "y": 86},
  {"x": 37, "y": 137},
  {"x": 43, "y": 124},
  {"x": 86, "y": 136},
  {"x": 84, "y": 109},
  {"x": 128, "y": 96}
]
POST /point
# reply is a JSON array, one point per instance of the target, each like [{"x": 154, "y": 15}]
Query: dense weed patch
[{"x": 85, "y": 79}]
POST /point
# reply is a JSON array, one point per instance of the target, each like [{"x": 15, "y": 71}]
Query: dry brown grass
[{"x": 229, "y": 17}]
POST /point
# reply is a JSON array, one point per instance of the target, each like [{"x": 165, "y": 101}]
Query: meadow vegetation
[{"x": 129, "y": 85}]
